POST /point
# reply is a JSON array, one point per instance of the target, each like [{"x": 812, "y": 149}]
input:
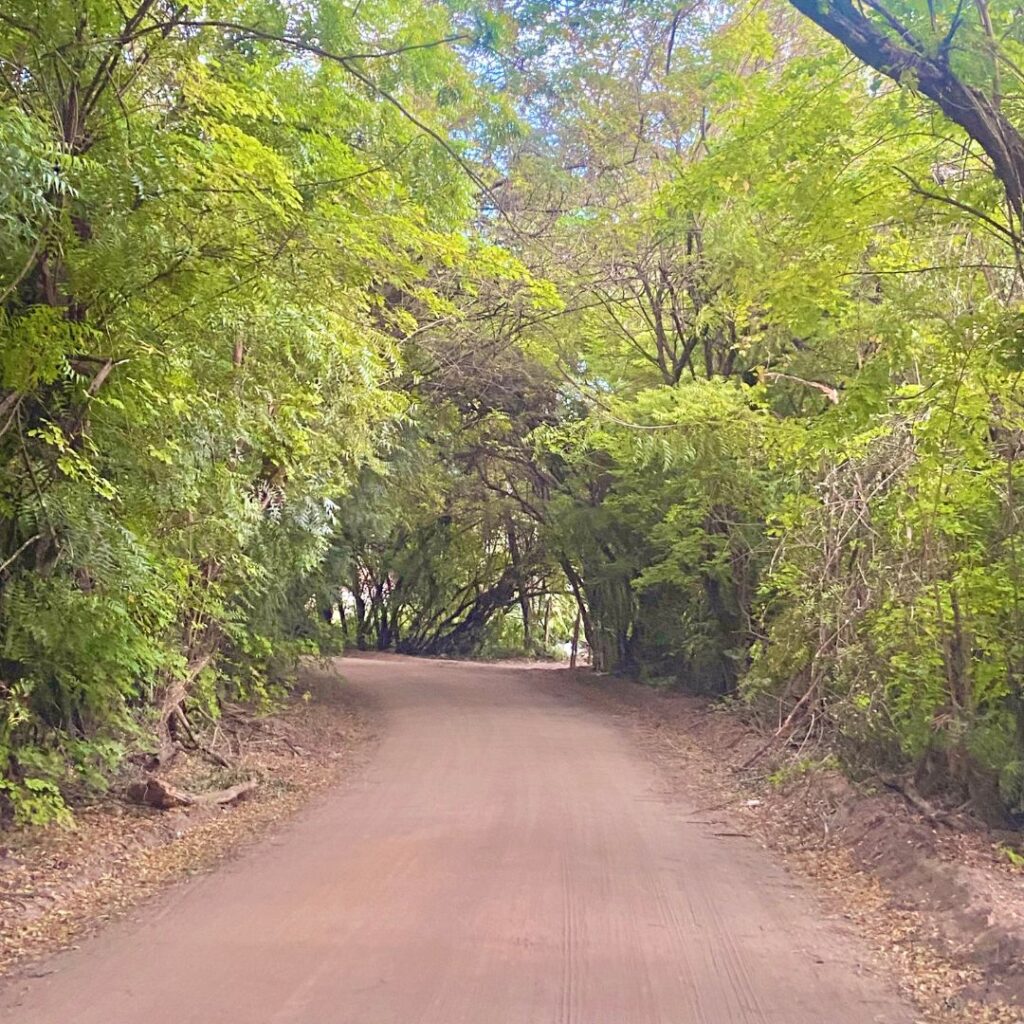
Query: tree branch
[{"x": 963, "y": 104}]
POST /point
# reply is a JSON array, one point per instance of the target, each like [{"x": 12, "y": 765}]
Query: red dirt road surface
[{"x": 506, "y": 858}]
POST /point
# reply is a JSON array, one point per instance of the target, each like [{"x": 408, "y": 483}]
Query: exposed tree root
[{"x": 175, "y": 691}]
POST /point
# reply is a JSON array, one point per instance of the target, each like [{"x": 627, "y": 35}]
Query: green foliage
[
  {"x": 668, "y": 554},
  {"x": 1015, "y": 858},
  {"x": 211, "y": 242},
  {"x": 787, "y": 461},
  {"x": 791, "y": 771},
  {"x": 455, "y": 328}
]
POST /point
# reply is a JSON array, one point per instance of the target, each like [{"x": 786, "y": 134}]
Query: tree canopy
[{"x": 456, "y": 327}]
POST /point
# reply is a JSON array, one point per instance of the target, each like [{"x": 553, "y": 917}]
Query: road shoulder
[{"x": 58, "y": 885}]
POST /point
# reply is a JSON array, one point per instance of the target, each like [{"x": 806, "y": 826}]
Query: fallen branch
[
  {"x": 916, "y": 802},
  {"x": 155, "y": 792},
  {"x": 240, "y": 717},
  {"x": 207, "y": 751}
]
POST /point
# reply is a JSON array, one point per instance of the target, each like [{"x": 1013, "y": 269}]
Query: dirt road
[{"x": 507, "y": 858}]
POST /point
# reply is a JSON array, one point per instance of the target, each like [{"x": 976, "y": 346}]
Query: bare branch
[{"x": 831, "y": 393}]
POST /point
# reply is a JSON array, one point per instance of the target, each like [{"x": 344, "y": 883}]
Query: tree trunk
[
  {"x": 361, "y": 621},
  {"x": 576, "y": 585},
  {"x": 524, "y": 600},
  {"x": 575, "y": 640}
]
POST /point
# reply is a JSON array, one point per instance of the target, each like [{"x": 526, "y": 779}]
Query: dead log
[{"x": 153, "y": 791}]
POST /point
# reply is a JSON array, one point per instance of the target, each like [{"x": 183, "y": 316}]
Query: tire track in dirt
[{"x": 506, "y": 858}]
